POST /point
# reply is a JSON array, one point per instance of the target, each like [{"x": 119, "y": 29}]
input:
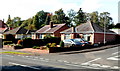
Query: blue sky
[{"x": 28, "y": 8}]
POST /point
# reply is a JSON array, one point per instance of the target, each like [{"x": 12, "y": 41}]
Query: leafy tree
[
  {"x": 41, "y": 18},
  {"x": 36, "y": 22},
  {"x": 111, "y": 26},
  {"x": 71, "y": 15},
  {"x": 117, "y": 25},
  {"x": 94, "y": 17},
  {"x": 60, "y": 17},
  {"x": 16, "y": 22},
  {"x": 48, "y": 19},
  {"x": 9, "y": 21},
  {"x": 80, "y": 17},
  {"x": 105, "y": 19}
]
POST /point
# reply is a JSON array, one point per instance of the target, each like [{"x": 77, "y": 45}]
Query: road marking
[
  {"x": 24, "y": 66},
  {"x": 10, "y": 55},
  {"x": 41, "y": 58},
  {"x": 115, "y": 53},
  {"x": 86, "y": 63},
  {"x": 113, "y": 58}
]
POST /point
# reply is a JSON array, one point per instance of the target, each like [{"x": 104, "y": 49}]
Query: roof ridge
[
  {"x": 91, "y": 26},
  {"x": 18, "y": 29}
]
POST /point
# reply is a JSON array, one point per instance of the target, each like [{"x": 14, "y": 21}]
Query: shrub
[
  {"x": 18, "y": 45},
  {"x": 51, "y": 45},
  {"x": 44, "y": 48},
  {"x": 47, "y": 37},
  {"x": 61, "y": 44},
  {"x": 7, "y": 42},
  {"x": 20, "y": 42},
  {"x": 35, "y": 47}
]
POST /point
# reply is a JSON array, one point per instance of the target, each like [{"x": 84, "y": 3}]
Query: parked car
[
  {"x": 83, "y": 41},
  {"x": 72, "y": 42}
]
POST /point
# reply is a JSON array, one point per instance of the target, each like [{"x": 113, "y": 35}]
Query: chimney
[
  {"x": 73, "y": 29},
  {"x": 51, "y": 24}
]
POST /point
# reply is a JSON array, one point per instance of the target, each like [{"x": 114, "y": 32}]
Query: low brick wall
[
  {"x": 60, "y": 49},
  {"x": 8, "y": 47}
]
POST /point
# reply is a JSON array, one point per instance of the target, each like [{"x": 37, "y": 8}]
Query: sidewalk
[
  {"x": 92, "y": 49},
  {"x": 38, "y": 51}
]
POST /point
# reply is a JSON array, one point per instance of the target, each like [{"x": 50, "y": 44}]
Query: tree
[
  {"x": 36, "y": 22},
  {"x": 16, "y": 22},
  {"x": 9, "y": 21},
  {"x": 80, "y": 17},
  {"x": 60, "y": 17},
  {"x": 48, "y": 19},
  {"x": 105, "y": 19},
  {"x": 71, "y": 15},
  {"x": 94, "y": 17},
  {"x": 117, "y": 25},
  {"x": 41, "y": 18}
]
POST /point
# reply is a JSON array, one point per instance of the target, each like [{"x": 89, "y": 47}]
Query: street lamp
[{"x": 104, "y": 30}]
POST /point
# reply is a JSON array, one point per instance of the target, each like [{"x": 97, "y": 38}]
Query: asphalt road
[{"x": 104, "y": 60}]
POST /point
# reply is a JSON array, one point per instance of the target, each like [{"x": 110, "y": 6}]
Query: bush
[
  {"x": 51, "y": 45},
  {"x": 7, "y": 42},
  {"x": 61, "y": 44},
  {"x": 35, "y": 47},
  {"x": 20, "y": 42},
  {"x": 44, "y": 48},
  {"x": 47, "y": 37},
  {"x": 18, "y": 45}
]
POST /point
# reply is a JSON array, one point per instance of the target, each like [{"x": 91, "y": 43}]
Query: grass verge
[{"x": 10, "y": 52}]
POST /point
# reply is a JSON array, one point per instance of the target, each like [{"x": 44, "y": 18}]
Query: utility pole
[{"x": 105, "y": 30}]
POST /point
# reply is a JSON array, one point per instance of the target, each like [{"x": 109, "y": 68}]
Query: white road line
[
  {"x": 113, "y": 58},
  {"x": 115, "y": 53},
  {"x": 10, "y": 55},
  {"x": 41, "y": 58},
  {"x": 86, "y": 63},
  {"x": 24, "y": 66}
]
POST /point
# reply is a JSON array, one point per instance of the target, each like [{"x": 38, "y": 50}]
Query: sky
[{"x": 28, "y": 8}]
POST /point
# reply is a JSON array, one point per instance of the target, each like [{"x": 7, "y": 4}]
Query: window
[
  {"x": 67, "y": 36},
  {"x": 40, "y": 36},
  {"x": 87, "y": 37}
]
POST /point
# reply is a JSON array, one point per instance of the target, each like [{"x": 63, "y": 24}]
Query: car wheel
[{"x": 73, "y": 45}]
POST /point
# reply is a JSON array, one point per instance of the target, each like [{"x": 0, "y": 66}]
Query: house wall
[
  {"x": 0, "y": 36},
  {"x": 57, "y": 33},
  {"x": 99, "y": 37}
]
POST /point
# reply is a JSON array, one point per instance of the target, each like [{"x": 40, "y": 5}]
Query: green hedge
[{"x": 7, "y": 42}]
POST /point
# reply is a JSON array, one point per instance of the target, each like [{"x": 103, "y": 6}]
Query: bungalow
[
  {"x": 51, "y": 29},
  {"x": 90, "y": 31},
  {"x": 17, "y": 33},
  {"x": 3, "y": 28}
]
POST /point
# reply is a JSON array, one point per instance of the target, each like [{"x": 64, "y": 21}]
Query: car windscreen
[{"x": 75, "y": 40}]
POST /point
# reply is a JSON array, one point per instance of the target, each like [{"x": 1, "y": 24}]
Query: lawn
[{"x": 11, "y": 52}]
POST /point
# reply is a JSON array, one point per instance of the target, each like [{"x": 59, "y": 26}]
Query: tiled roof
[
  {"x": 2, "y": 24},
  {"x": 47, "y": 29},
  {"x": 18, "y": 30},
  {"x": 87, "y": 28}
]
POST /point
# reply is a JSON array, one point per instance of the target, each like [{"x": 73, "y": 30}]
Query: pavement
[{"x": 38, "y": 51}]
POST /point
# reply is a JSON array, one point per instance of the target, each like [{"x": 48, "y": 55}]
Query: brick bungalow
[
  {"x": 51, "y": 29},
  {"x": 17, "y": 33},
  {"x": 89, "y": 31},
  {"x": 3, "y": 28}
]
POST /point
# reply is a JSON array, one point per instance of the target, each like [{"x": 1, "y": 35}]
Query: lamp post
[{"x": 104, "y": 30}]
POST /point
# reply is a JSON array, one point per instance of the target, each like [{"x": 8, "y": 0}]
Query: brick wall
[
  {"x": 99, "y": 37},
  {"x": 57, "y": 33}
]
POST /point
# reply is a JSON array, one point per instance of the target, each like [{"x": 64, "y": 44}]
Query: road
[{"x": 106, "y": 59}]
